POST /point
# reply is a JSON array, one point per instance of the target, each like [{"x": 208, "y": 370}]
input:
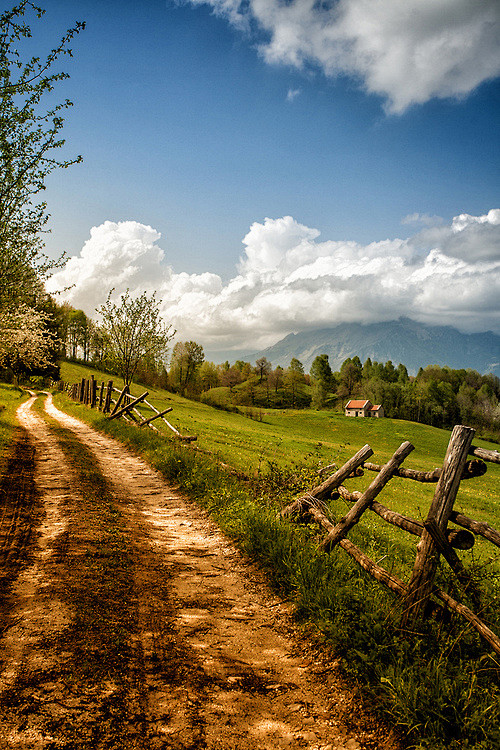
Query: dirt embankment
[{"x": 129, "y": 621}]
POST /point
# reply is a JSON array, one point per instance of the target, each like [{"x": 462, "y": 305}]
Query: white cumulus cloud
[
  {"x": 407, "y": 51},
  {"x": 290, "y": 280}
]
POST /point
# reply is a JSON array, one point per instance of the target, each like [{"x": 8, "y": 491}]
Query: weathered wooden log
[
  {"x": 126, "y": 409},
  {"x": 107, "y": 400},
  {"x": 469, "y": 615},
  {"x": 396, "y": 585},
  {"x": 101, "y": 396},
  {"x": 367, "y": 497},
  {"x": 473, "y": 468},
  {"x": 153, "y": 408},
  {"x": 478, "y": 527},
  {"x": 427, "y": 557},
  {"x": 491, "y": 456},
  {"x": 118, "y": 403},
  {"x": 418, "y": 476},
  {"x": 458, "y": 538},
  {"x": 325, "y": 489},
  {"x": 155, "y": 416},
  {"x": 139, "y": 417},
  {"x": 449, "y": 553},
  {"x": 93, "y": 392},
  {"x": 82, "y": 390},
  {"x": 372, "y": 568},
  {"x": 366, "y": 562},
  {"x": 324, "y": 469}
]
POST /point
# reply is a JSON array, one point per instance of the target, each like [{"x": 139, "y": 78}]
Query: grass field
[
  {"x": 321, "y": 438},
  {"x": 10, "y": 398}
]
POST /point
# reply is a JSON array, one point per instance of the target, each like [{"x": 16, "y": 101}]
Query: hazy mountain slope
[{"x": 414, "y": 344}]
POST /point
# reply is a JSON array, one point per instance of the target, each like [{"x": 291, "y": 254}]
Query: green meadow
[{"x": 321, "y": 438}]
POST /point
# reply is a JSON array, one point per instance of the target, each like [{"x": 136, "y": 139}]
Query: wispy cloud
[
  {"x": 289, "y": 280},
  {"x": 292, "y": 94},
  {"x": 407, "y": 51},
  {"x": 423, "y": 219}
]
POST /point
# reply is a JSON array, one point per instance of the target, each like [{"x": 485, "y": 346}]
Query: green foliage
[
  {"x": 29, "y": 139},
  {"x": 134, "y": 332},
  {"x": 323, "y": 381},
  {"x": 187, "y": 357},
  {"x": 438, "y": 396}
]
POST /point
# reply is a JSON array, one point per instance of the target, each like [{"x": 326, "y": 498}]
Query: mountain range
[{"x": 407, "y": 341}]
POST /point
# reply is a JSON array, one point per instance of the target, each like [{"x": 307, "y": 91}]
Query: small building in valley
[{"x": 363, "y": 408}]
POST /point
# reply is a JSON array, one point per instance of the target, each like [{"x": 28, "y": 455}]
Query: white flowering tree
[{"x": 25, "y": 342}]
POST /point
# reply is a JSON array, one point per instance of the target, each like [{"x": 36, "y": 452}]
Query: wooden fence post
[
  {"x": 366, "y": 499},
  {"x": 118, "y": 413},
  {"x": 107, "y": 400},
  {"x": 82, "y": 390},
  {"x": 101, "y": 396},
  {"x": 427, "y": 558},
  {"x": 122, "y": 395}
]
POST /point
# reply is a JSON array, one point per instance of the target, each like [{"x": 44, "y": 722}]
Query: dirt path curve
[{"x": 216, "y": 664}]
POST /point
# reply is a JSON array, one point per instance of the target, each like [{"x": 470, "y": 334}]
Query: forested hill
[{"x": 415, "y": 344}]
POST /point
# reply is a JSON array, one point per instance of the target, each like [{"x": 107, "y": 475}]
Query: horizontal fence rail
[
  {"x": 436, "y": 538},
  {"x": 123, "y": 405}
]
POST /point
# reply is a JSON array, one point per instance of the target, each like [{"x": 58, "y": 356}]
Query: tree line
[{"x": 438, "y": 396}]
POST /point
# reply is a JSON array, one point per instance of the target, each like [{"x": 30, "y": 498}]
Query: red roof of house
[
  {"x": 353, "y": 404},
  {"x": 375, "y": 407}
]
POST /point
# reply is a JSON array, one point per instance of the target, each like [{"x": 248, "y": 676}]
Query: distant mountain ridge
[{"x": 413, "y": 344}]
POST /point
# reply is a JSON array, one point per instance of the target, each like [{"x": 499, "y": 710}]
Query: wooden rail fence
[
  {"x": 88, "y": 392},
  {"x": 436, "y": 538}
]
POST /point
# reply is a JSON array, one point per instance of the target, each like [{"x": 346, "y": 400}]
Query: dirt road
[{"x": 129, "y": 621}]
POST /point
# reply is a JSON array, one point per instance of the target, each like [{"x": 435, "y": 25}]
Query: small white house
[{"x": 363, "y": 408}]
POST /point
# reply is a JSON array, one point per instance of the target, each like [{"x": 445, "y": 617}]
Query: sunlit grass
[{"x": 10, "y": 398}]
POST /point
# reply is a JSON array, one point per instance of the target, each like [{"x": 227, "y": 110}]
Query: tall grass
[
  {"x": 10, "y": 398},
  {"x": 438, "y": 684}
]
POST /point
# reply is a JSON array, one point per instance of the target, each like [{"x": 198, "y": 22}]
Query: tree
[
  {"x": 230, "y": 378},
  {"x": 187, "y": 357},
  {"x": 351, "y": 372},
  {"x": 263, "y": 368},
  {"x": 276, "y": 378},
  {"x": 294, "y": 378},
  {"x": 134, "y": 331},
  {"x": 77, "y": 333},
  {"x": 29, "y": 138},
  {"x": 209, "y": 375},
  {"x": 25, "y": 341},
  {"x": 323, "y": 380}
]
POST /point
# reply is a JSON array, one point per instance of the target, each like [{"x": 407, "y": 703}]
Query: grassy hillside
[
  {"x": 438, "y": 681},
  {"x": 322, "y": 437}
]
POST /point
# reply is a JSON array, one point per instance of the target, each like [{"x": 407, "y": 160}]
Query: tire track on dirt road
[
  {"x": 214, "y": 662},
  {"x": 32, "y": 582}
]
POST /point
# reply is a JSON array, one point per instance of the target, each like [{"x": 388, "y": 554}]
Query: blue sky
[{"x": 199, "y": 125}]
